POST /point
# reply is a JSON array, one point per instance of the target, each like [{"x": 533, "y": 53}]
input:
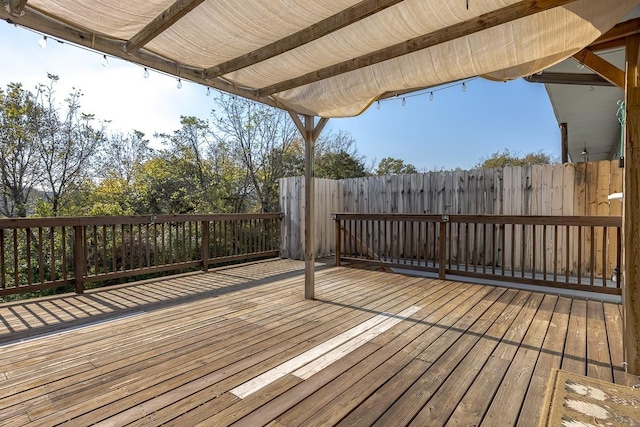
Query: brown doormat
[{"x": 577, "y": 401}]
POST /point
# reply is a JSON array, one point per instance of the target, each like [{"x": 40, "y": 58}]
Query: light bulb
[
  {"x": 105, "y": 61},
  {"x": 378, "y": 105},
  {"x": 404, "y": 102},
  {"x": 581, "y": 66},
  {"x": 208, "y": 91},
  {"x": 146, "y": 73},
  {"x": 179, "y": 85},
  {"x": 464, "y": 87},
  {"x": 43, "y": 42},
  {"x": 431, "y": 96}
]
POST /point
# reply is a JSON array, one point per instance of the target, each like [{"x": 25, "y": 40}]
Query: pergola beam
[
  {"x": 329, "y": 25},
  {"x": 619, "y": 31},
  {"x": 63, "y": 31},
  {"x": 160, "y": 23},
  {"x": 488, "y": 20},
  {"x": 604, "y": 68},
  {"x": 569, "y": 79}
]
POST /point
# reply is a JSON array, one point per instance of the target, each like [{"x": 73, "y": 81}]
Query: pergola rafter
[
  {"x": 163, "y": 21},
  {"x": 329, "y": 25},
  {"x": 488, "y": 20}
]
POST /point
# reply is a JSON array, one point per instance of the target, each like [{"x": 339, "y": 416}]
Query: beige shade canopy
[{"x": 327, "y": 58}]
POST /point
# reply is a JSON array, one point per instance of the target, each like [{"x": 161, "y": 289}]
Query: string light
[
  {"x": 431, "y": 92},
  {"x": 105, "y": 61},
  {"x": 208, "y": 91},
  {"x": 179, "y": 85},
  {"x": 43, "y": 42},
  {"x": 378, "y": 106},
  {"x": 146, "y": 73},
  {"x": 581, "y": 66}
]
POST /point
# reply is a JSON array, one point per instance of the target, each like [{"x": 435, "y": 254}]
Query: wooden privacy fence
[
  {"x": 580, "y": 253},
  {"x": 571, "y": 189},
  {"x": 41, "y": 253}
]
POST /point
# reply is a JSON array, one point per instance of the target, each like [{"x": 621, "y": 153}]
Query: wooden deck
[{"x": 241, "y": 345}]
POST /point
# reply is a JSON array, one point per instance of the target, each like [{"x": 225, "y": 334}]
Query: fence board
[{"x": 562, "y": 189}]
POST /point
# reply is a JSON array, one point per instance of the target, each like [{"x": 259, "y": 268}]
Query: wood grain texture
[{"x": 168, "y": 352}]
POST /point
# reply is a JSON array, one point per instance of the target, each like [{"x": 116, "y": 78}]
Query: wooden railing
[
  {"x": 578, "y": 253},
  {"x": 42, "y": 253}
]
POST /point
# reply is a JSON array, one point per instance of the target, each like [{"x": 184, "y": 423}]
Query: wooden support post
[
  {"x": 309, "y": 210},
  {"x": 78, "y": 258},
  {"x": 631, "y": 213},
  {"x": 564, "y": 135},
  {"x": 310, "y": 133},
  {"x": 204, "y": 249}
]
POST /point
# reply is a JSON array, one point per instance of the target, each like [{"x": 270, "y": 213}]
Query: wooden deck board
[{"x": 169, "y": 352}]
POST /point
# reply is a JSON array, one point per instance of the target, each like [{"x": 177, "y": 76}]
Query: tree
[
  {"x": 337, "y": 157},
  {"x": 167, "y": 184},
  {"x": 392, "y": 166},
  {"x": 507, "y": 158},
  {"x": 19, "y": 161},
  {"x": 67, "y": 143},
  {"x": 260, "y": 139},
  {"x": 122, "y": 153}
]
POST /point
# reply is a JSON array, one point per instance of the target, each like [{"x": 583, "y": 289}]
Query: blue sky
[{"x": 457, "y": 129}]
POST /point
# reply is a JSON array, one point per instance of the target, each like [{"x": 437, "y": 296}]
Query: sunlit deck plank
[{"x": 170, "y": 351}]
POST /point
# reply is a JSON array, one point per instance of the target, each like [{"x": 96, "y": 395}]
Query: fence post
[
  {"x": 204, "y": 246},
  {"x": 442, "y": 258},
  {"x": 338, "y": 240},
  {"x": 78, "y": 258}
]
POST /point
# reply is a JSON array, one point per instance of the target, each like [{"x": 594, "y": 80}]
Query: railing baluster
[
  {"x": 28, "y": 236},
  {"x": 442, "y": 239},
  {"x": 523, "y": 240},
  {"x": 568, "y": 253},
  {"x": 147, "y": 248},
  {"x": 140, "y": 257},
  {"x": 484, "y": 248},
  {"x": 79, "y": 256},
  {"x": 544, "y": 252},
  {"x": 579, "y": 254},
  {"x": 114, "y": 252},
  {"x": 513, "y": 250},
  {"x": 533, "y": 252},
  {"x": 63, "y": 237},
  {"x": 40, "y": 254},
  {"x": 16, "y": 272},
  {"x": 592, "y": 255},
  {"x": 123, "y": 251},
  {"x": 555, "y": 253},
  {"x": 604, "y": 256},
  {"x": 494, "y": 255}
]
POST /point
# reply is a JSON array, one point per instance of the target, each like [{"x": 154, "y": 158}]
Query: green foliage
[
  {"x": 19, "y": 117},
  {"x": 505, "y": 158},
  {"x": 392, "y": 166},
  {"x": 339, "y": 165}
]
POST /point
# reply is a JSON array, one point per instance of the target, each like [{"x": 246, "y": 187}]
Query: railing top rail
[
  {"x": 10, "y": 223},
  {"x": 608, "y": 221}
]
